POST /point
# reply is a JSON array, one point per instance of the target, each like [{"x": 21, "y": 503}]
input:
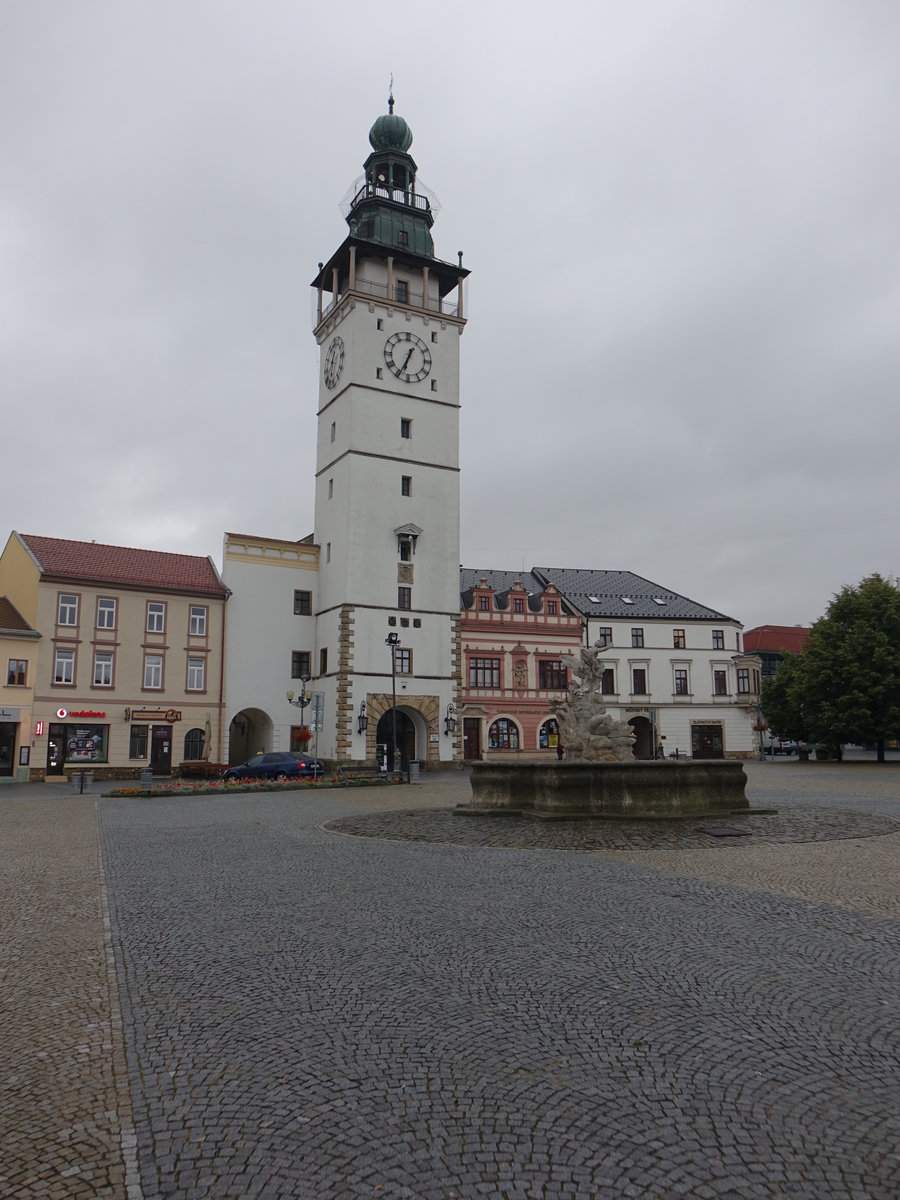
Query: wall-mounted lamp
[
  {"x": 450, "y": 721},
  {"x": 126, "y": 715},
  {"x": 362, "y": 721}
]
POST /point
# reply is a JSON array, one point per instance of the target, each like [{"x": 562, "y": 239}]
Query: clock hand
[{"x": 409, "y": 355}]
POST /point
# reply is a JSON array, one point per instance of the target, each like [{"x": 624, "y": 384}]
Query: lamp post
[
  {"x": 302, "y": 700},
  {"x": 393, "y": 640}
]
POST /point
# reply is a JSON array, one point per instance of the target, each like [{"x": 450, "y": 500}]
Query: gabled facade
[
  {"x": 128, "y": 672},
  {"x": 514, "y": 631},
  {"x": 771, "y": 642}
]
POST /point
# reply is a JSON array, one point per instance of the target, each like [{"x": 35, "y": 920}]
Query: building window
[
  {"x": 681, "y": 681},
  {"x": 406, "y": 485},
  {"x": 678, "y": 641},
  {"x": 718, "y": 636},
  {"x": 196, "y": 674},
  {"x": 639, "y": 681},
  {"x": 518, "y": 604},
  {"x": 193, "y": 744},
  {"x": 198, "y": 620},
  {"x": 552, "y": 676},
  {"x": 156, "y": 617},
  {"x": 153, "y": 668},
  {"x": 434, "y": 385},
  {"x": 402, "y": 237},
  {"x": 323, "y": 661},
  {"x": 378, "y": 374},
  {"x": 137, "y": 743},
  {"x": 333, "y": 430},
  {"x": 302, "y": 604},
  {"x": 103, "y": 669},
  {"x": 743, "y": 681},
  {"x": 379, "y": 323},
  {"x": 604, "y": 635},
  {"x": 434, "y": 337},
  {"x": 405, "y": 427},
  {"x": 328, "y": 551},
  {"x": 64, "y": 667},
  {"x": 637, "y": 637},
  {"x": 68, "y": 609},
  {"x": 551, "y": 608},
  {"x": 401, "y": 291},
  {"x": 106, "y": 613},
  {"x": 484, "y": 604},
  {"x": 402, "y": 660},
  {"x": 484, "y": 672},
  {"x": 548, "y": 735},
  {"x": 405, "y": 549},
  {"x": 404, "y": 598},
  {"x": 503, "y": 735},
  {"x": 300, "y": 664},
  {"x": 720, "y": 683},
  {"x": 17, "y": 672},
  {"x": 330, "y": 489},
  {"x": 608, "y": 682}
]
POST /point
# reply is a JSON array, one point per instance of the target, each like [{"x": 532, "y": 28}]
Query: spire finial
[{"x": 391, "y": 96}]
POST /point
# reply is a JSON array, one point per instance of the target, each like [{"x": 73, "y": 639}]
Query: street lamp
[
  {"x": 393, "y": 640},
  {"x": 450, "y": 721},
  {"x": 303, "y": 699}
]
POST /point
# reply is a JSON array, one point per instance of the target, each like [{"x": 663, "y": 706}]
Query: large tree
[
  {"x": 783, "y": 702},
  {"x": 845, "y": 684}
]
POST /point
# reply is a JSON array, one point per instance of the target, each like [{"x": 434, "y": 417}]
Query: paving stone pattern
[{"x": 313, "y": 1015}]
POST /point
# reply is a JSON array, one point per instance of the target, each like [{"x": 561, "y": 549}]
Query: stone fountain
[{"x": 600, "y": 777}]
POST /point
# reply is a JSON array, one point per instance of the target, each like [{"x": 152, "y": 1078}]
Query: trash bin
[
  {"x": 88, "y": 777},
  {"x": 146, "y": 781},
  {"x": 413, "y": 772}
]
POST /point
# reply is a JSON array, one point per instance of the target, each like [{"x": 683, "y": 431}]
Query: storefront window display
[{"x": 77, "y": 744}]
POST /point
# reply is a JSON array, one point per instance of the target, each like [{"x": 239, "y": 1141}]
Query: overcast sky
[{"x": 682, "y": 220}]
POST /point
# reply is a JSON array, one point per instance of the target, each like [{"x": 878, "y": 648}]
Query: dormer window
[{"x": 402, "y": 237}]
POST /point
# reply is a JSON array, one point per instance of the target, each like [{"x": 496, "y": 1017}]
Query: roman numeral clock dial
[{"x": 407, "y": 357}]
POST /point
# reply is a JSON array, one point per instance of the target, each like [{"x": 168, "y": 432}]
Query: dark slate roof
[
  {"x": 94, "y": 562},
  {"x": 12, "y": 621},
  {"x": 608, "y": 589},
  {"x": 500, "y": 583}
]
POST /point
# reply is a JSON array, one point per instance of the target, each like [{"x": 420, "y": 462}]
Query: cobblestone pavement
[
  {"x": 65, "y": 1108},
  {"x": 321, "y": 1016}
]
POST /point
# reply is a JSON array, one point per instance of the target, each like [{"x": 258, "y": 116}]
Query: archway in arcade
[
  {"x": 250, "y": 732},
  {"x": 406, "y": 737},
  {"x": 643, "y": 737}
]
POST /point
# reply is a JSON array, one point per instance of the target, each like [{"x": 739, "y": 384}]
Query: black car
[{"x": 277, "y": 764}]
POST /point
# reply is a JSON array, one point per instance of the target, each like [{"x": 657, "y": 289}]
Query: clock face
[
  {"x": 407, "y": 357},
  {"x": 334, "y": 362}
]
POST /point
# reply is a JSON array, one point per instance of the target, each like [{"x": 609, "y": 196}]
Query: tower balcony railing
[
  {"x": 401, "y": 296},
  {"x": 371, "y": 191}
]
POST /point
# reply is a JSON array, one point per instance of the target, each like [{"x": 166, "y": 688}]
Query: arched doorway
[
  {"x": 249, "y": 732},
  {"x": 406, "y": 737},
  {"x": 643, "y": 737}
]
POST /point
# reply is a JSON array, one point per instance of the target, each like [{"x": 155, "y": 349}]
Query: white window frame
[
  {"x": 156, "y": 609},
  {"x": 106, "y": 612},
  {"x": 196, "y": 675},
  {"x": 198, "y": 618},
  {"x": 103, "y": 658},
  {"x": 153, "y": 667},
  {"x": 63, "y": 659},
  {"x": 68, "y": 605}
]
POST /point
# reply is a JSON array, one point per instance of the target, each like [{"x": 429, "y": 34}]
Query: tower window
[
  {"x": 404, "y": 598},
  {"x": 434, "y": 385},
  {"x": 323, "y": 661},
  {"x": 402, "y": 237},
  {"x": 433, "y": 336},
  {"x": 328, "y": 551},
  {"x": 401, "y": 291},
  {"x": 379, "y": 323},
  {"x": 405, "y": 427},
  {"x": 330, "y": 489},
  {"x": 378, "y": 374},
  {"x": 406, "y": 485},
  {"x": 333, "y": 430}
]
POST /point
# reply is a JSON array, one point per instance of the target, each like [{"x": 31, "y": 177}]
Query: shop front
[
  {"x": 76, "y": 739},
  {"x": 9, "y": 725}
]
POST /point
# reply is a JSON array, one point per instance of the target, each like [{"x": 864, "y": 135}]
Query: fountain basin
[{"x": 648, "y": 790}]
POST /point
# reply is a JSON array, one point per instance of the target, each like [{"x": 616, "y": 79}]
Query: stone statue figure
[{"x": 587, "y": 731}]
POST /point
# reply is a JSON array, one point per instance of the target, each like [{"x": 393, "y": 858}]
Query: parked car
[
  {"x": 277, "y": 764},
  {"x": 785, "y": 748}
]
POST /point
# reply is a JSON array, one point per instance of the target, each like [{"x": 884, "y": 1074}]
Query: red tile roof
[
  {"x": 93, "y": 562},
  {"x": 777, "y": 638},
  {"x": 11, "y": 619}
]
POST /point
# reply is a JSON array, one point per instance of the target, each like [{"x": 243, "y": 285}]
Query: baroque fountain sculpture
[{"x": 600, "y": 776}]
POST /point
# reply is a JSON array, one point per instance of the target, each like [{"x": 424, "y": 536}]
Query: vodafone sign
[{"x": 62, "y": 713}]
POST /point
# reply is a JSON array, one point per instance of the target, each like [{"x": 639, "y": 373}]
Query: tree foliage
[{"x": 845, "y": 684}]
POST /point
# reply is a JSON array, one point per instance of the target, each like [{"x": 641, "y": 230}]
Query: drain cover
[{"x": 723, "y": 831}]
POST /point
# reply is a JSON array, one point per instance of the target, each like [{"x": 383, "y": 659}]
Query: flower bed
[{"x": 213, "y": 787}]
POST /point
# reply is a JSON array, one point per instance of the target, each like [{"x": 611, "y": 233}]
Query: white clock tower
[{"x": 389, "y": 321}]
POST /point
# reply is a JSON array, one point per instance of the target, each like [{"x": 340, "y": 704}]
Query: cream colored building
[
  {"x": 18, "y": 661},
  {"x": 129, "y": 666}
]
